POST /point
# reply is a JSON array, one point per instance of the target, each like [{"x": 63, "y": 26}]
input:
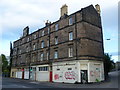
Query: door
[
  {"x": 84, "y": 76},
  {"x": 32, "y": 75},
  {"x": 26, "y": 75},
  {"x": 19, "y": 74},
  {"x": 22, "y": 74}
]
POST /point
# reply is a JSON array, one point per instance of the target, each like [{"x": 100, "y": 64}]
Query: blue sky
[{"x": 17, "y": 14}]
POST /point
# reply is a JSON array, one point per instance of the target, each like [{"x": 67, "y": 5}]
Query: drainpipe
[
  {"x": 50, "y": 62},
  {"x": 76, "y": 35},
  {"x": 30, "y": 62}
]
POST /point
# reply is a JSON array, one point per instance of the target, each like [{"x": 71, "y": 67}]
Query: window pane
[
  {"x": 56, "y": 40},
  {"x": 42, "y": 33},
  {"x": 34, "y": 36},
  {"x": 47, "y": 55},
  {"x": 47, "y": 42},
  {"x": 34, "y": 46},
  {"x": 56, "y": 55},
  {"x": 70, "y": 21},
  {"x": 28, "y": 39},
  {"x": 42, "y": 44},
  {"x": 42, "y": 57},
  {"x": 70, "y": 52},
  {"x": 71, "y": 36},
  {"x": 48, "y": 30},
  {"x": 56, "y": 27}
]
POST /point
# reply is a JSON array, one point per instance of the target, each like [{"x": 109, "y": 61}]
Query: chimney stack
[
  {"x": 25, "y": 31},
  {"x": 64, "y": 10},
  {"x": 97, "y": 6},
  {"x": 47, "y": 23}
]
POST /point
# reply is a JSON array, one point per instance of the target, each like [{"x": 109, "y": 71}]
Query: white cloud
[
  {"x": 19, "y": 13},
  {"x": 22, "y": 12}
]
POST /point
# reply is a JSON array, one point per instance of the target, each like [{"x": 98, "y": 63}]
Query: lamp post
[
  {"x": 105, "y": 67},
  {"x": 108, "y": 39}
]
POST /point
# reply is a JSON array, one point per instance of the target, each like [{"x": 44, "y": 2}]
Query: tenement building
[{"x": 69, "y": 50}]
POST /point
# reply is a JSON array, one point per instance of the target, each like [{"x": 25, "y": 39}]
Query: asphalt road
[{"x": 112, "y": 82}]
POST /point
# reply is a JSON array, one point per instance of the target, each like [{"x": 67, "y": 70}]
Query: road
[{"x": 18, "y": 83}]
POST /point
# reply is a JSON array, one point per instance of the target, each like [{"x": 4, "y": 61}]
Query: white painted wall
[
  {"x": 95, "y": 71},
  {"x": 65, "y": 75},
  {"x": 13, "y": 72},
  {"x": 19, "y": 74}
]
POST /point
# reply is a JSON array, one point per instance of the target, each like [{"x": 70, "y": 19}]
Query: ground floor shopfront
[
  {"x": 36, "y": 73},
  {"x": 81, "y": 71}
]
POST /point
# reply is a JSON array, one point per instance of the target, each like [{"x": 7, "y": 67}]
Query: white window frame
[
  {"x": 33, "y": 58},
  {"x": 70, "y": 52},
  {"x": 43, "y": 33},
  {"x": 56, "y": 40},
  {"x": 41, "y": 56},
  {"x": 27, "y": 48},
  {"x": 20, "y": 51},
  {"x": 35, "y": 36},
  {"x": 56, "y": 27},
  {"x": 70, "y": 36},
  {"x": 48, "y": 43},
  {"x": 56, "y": 55},
  {"x": 34, "y": 46},
  {"x": 28, "y": 39},
  {"x": 48, "y": 30},
  {"x": 70, "y": 21},
  {"x": 46, "y": 68},
  {"x": 47, "y": 55},
  {"x": 42, "y": 44}
]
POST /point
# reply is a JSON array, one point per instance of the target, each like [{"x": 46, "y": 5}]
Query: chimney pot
[
  {"x": 47, "y": 23},
  {"x": 97, "y": 6}
]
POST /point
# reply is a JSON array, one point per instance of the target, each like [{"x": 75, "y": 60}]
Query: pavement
[{"x": 112, "y": 82}]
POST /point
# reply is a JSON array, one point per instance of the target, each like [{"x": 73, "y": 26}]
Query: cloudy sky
[{"x": 17, "y": 14}]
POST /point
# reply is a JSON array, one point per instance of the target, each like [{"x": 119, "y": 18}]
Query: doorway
[{"x": 84, "y": 76}]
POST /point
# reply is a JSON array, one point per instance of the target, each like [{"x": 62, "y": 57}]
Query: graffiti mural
[
  {"x": 102, "y": 74},
  {"x": 56, "y": 76},
  {"x": 95, "y": 73},
  {"x": 70, "y": 75},
  {"x": 92, "y": 73}
]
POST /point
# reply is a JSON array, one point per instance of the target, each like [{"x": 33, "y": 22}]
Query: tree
[
  {"x": 11, "y": 52},
  {"x": 4, "y": 64},
  {"x": 108, "y": 64}
]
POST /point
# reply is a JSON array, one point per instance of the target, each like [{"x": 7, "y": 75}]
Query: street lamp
[{"x": 108, "y": 39}]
